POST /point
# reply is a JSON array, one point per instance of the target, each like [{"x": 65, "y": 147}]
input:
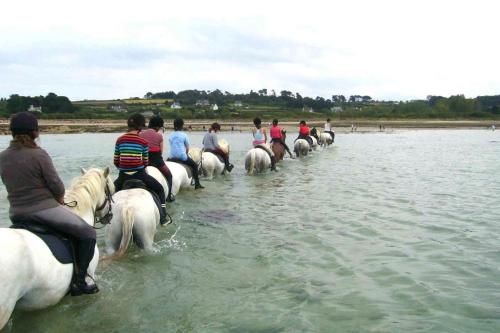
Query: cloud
[{"x": 386, "y": 49}]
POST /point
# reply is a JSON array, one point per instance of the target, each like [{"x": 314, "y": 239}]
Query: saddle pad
[{"x": 60, "y": 247}]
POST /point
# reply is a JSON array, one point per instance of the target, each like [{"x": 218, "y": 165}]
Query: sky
[{"x": 386, "y": 49}]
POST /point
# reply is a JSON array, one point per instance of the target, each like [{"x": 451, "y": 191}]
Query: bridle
[{"x": 106, "y": 219}]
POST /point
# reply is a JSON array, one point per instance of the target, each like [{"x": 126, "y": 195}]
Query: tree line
[{"x": 265, "y": 101}]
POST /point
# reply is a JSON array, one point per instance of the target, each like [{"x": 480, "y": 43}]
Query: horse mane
[
  {"x": 195, "y": 154},
  {"x": 85, "y": 189}
]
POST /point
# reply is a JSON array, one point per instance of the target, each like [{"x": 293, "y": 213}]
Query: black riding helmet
[
  {"x": 136, "y": 121},
  {"x": 23, "y": 123},
  {"x": 178, "y": 124},
  {"x": 215, "y": 126},
  {"x": 156, "y": 121}
]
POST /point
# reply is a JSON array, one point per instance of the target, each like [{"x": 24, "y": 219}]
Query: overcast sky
[{"x": 118, "y": 49}]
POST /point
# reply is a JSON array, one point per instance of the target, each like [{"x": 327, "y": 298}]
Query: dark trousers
[
  {"x": 192, "y": 164},
  {"x": 156, "y": 160},
  {"x": 220, "y": 153},
  {"x": 148, "y": 180}
]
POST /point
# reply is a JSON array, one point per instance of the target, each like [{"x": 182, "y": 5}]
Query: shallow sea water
[{"x": 382, "y": 232}]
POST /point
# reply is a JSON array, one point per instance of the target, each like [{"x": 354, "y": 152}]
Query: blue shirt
[{"x": 178, "y": 143}]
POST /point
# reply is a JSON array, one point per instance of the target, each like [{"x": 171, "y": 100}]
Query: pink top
[
  {"x": 275, "y": 132},
  {"x": 154, "y": 139}
]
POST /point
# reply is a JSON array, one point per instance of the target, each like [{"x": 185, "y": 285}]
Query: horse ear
[
  {"x": 106, "y": 172},
  {"x": 83, "y": 171}
]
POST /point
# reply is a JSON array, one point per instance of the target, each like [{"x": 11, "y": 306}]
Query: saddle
[
  {"x": 264, "y": 149},
  {"x": 136, "y": 183},
  {"x": 61, "y": 246}
]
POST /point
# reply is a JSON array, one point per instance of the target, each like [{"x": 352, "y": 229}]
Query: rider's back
[{"x": 30, "y": 179}]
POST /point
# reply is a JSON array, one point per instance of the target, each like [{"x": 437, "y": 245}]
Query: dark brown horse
[{"x": 278, "y": 148}]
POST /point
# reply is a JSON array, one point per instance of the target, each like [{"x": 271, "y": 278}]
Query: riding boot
[
  {"x": 170, "y": 197},
  {"x": 84, "y": 254},
  {"x": 164, "y": 217},
  {"x": 197, "y": 184},
  {"x": 290, "y": 153}
]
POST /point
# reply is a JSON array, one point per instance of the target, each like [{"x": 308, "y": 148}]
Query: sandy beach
[{"x": 110, "y": 126}]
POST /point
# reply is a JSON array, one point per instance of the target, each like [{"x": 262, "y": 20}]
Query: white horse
[
  {"x": 135, "y": 216},
  {"x": 257, "y": 160},
  {"x": 31, "y": 277},
  {"x": 210, "y": 165},
  {"x": 301, "y": 147},
  {"x": 325, "y": 139}
]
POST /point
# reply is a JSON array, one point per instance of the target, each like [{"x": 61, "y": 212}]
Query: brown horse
[{"x": 279, "y": 149}]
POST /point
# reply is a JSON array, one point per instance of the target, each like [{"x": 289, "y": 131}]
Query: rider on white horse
[
  {"x": 131, "y": 158},
  {"x": 304, "y": 133},
  {"x": 276, "y": 133},
  {"x": 211, "y": 145},
  {"x": 155, "y": 144},
  {"x": 260, "y": 140},
  {"x": 36, "y": 194},
  {"x": 328, "y": 129},
  {"x": 179, "y": 149}
]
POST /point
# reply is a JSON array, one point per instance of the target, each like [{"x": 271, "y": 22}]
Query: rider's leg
[
  {"x": 155, "y": 186},
  {"x": 66, "y": 222},
  {"x": 122, "y": 177},
  {"x": 168, "y": 175},
  {"x": 286, "y": 147},
  {"x": 271, "y": 155},
  {"x": 194, "y": 168},
  {"x": 225, "y": 157}
]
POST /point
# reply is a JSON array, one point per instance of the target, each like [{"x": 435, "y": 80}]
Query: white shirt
[{"x": 328, "y": 127}]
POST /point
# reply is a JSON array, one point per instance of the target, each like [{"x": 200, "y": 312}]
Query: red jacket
[{"x": 304, "y": 130}]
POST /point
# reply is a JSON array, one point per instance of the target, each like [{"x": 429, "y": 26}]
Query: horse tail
[
  {"x": 127, "y": 227},
  {"x": 251, "y": 166}
]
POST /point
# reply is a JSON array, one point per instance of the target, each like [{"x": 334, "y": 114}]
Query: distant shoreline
[{"x": 361, "y": 125}]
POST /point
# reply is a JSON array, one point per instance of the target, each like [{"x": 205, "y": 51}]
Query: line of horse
[
  {"x": 31, "y": 276},
  {"x": 257, "y": 160}
]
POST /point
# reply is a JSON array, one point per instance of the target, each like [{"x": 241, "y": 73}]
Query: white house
[
  {"x": 238, "y": 104},
  {"x": 215, "y": 107},
  {"x": 176, "y": 105},
  {"x": 118, "y": 108},
  {"x": 336, "y": 109},
  {"x": 202, "y": 102},
  {"x": 33, "y": 108}
]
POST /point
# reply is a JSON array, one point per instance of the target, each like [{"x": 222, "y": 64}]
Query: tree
[{"x": 149, "y": 95}]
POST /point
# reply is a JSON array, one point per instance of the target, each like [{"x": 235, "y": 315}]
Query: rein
[{"x": 106, "y": 219}]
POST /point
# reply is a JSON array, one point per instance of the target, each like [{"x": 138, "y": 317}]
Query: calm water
[{"x": 381, "y": 233}]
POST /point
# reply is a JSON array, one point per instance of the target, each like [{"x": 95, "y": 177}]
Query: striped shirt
[{"x": 131, "y": 153}]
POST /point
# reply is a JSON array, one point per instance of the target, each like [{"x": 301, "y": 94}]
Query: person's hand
[{"x": 60, "y": 200}]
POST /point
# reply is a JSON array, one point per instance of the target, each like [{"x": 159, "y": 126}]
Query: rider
[
  {"x": 179, "y": 148},
  {"x": 131, "y": 158},
  {"x": 211, "y": 144},
  {"x": 304, "y": 132},
  {"x": 155, "y": 144},
  {"x": 260, "y": 139},
  {"x": 276, "y": 133},
  {"x": 36, "y": 194},
  {"x": 328, "y": 129}
]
